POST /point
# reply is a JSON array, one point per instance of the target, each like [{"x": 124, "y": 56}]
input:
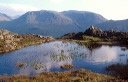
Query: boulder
[{"x": 93, "y": 31}]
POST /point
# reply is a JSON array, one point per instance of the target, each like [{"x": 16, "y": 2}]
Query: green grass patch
[{"x": 91, "y": 38}]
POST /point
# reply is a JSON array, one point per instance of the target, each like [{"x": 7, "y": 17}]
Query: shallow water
[{"x": 50, "y": 56}]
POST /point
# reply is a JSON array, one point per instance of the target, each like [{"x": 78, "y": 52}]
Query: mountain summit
[
  {"x": 84, "y": 18},
  {"x": 44, "y": 17}
]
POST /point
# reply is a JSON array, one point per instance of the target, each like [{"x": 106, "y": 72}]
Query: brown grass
[
  {"x": 19, "y": 64},
  {"x": 81, "y": 75},
  {"x": 67, "y": 66}
]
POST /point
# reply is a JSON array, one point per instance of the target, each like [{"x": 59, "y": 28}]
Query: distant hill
[
  {"x": 120, "y": 25},
  {"x": 84, "y": 19},
  {"x": 52, "y": 23},
  {"x": 4, "y": 17}
]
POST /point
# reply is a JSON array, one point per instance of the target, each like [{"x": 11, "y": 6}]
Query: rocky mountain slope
[
  {"x": 44, "y": 17},
  {"x": 56, "y": 24},
  {"x": 11, "y": 41},
  {"x": 84, "y": 19}
]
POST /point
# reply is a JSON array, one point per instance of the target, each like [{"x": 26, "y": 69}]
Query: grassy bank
[
  {"x": 91, "y": 42},
  {"x": 81, "y": 75}
]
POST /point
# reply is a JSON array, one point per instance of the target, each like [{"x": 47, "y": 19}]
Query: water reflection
[
  {"x": 103, "y": 54},
  {"x": 50, "y": 56}
]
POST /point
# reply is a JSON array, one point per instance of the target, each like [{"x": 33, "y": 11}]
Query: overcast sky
[{"x": 110, "y": 9}]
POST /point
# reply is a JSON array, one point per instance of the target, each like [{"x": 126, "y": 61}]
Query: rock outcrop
[
  {"x": 92, "y": 31},
  {"x": 11, "y": 41},
  {"x": 8, "y": 40},
  {"x": 96, "y": 32},
  {"x": 110, "y": 35}
]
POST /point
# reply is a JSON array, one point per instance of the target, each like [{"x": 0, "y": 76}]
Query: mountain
[
  {"x": 52, "y": 23},
  {"x": 4, "y": 17},
  {"x": 15, "y": 17},
  {"x": 119, "y": 25},
  {"x": 44, "y": 17},
  {"x": 84, "y": 19},
  {"x": 48, "y": 23}
]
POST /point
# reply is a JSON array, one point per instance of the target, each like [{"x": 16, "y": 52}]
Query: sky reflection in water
[{"x": 54, "y": 54}]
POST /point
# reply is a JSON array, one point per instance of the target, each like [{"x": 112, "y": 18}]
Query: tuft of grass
[
  {"x": 19, "y": 64},
  {"x": 67, "y": 66}
]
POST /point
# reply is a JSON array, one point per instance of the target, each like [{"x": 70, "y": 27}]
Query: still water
[{"x": 50, "y": 56}]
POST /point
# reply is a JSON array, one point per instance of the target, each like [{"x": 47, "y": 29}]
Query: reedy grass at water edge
[{"x": 81, "y": 75}]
